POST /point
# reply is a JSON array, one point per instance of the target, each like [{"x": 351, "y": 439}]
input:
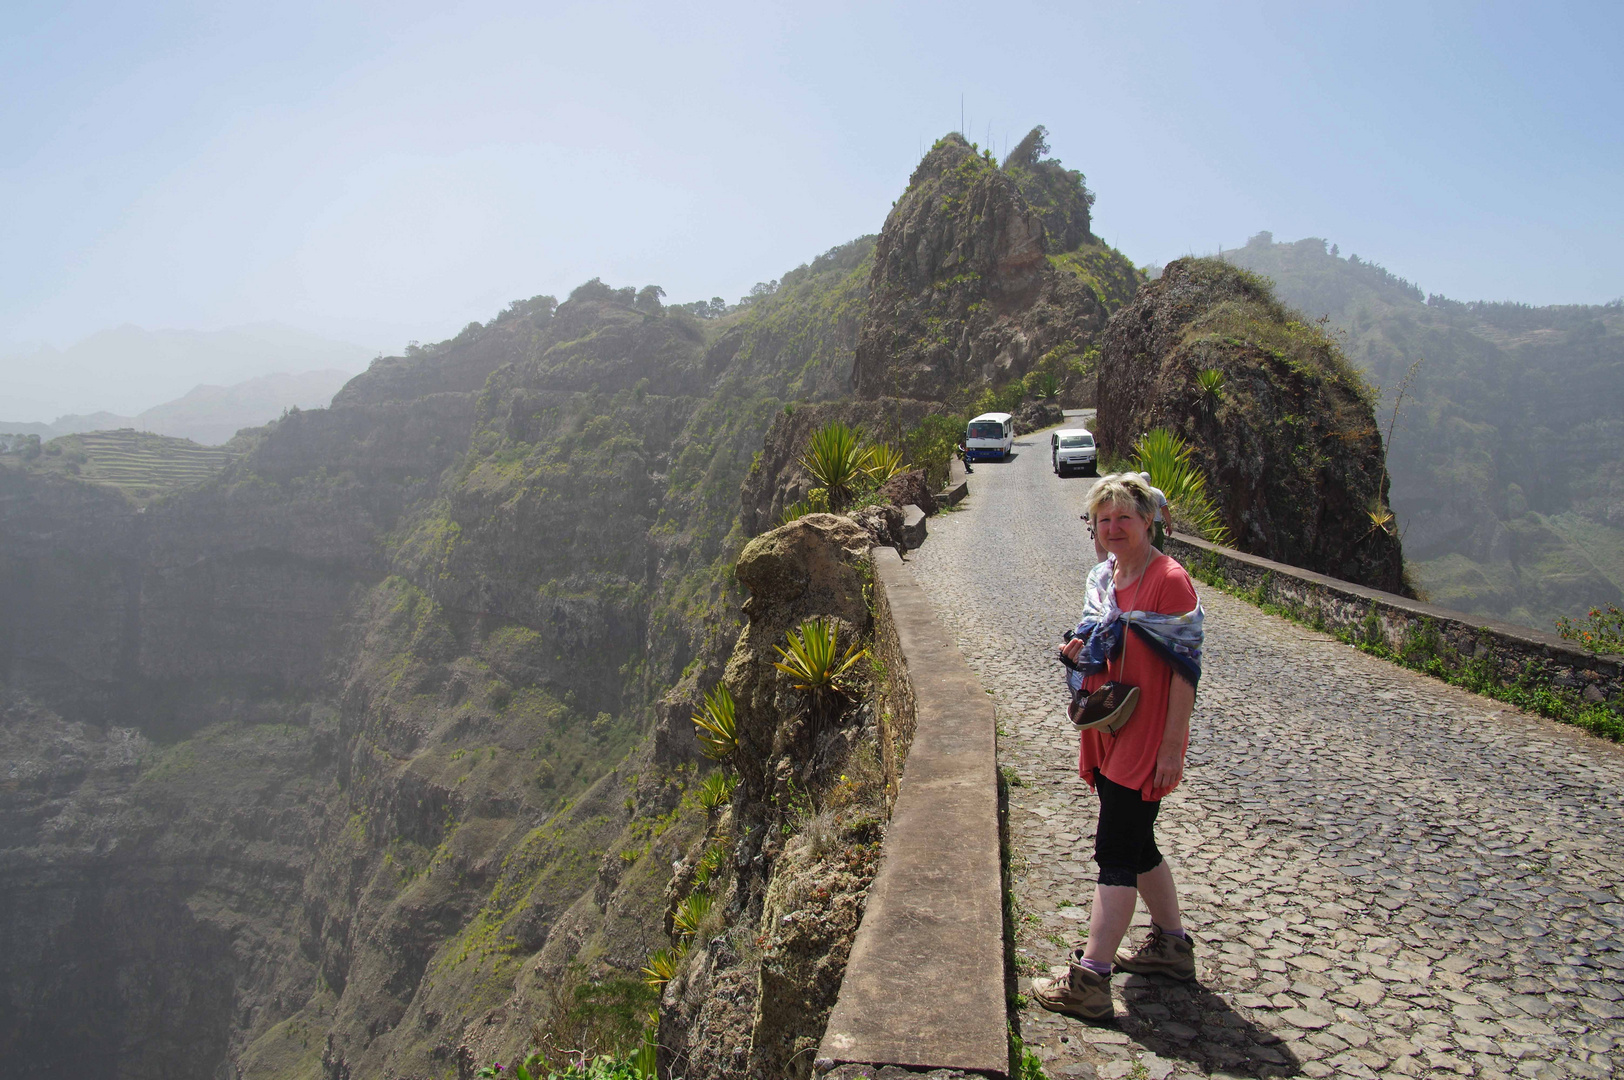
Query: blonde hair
[{"x": 1121, "y": 489}]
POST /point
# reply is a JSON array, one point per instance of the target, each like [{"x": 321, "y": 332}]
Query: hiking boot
[
  {"x": 1161, "y": 954},
  {"x": 1076, "y": 991}
]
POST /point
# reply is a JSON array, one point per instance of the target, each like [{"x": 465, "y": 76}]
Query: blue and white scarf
[{"x": 1175, "y": 638}]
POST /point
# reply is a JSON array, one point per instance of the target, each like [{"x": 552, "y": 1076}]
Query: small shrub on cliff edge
[
  {"x": 590, "y": 1030},
  {"x": 930, "y": 446},
  {"x": 1602, "y": 630}
]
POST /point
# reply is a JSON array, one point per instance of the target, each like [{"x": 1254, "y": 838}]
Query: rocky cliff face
[
  {"x": 1289, "y": 444},
  {"x": 1508, "y": 461},
  {"x": 333, "y": 766},
  {"x": 799, "y": 844},
  {"x": 969, "y": 290}
]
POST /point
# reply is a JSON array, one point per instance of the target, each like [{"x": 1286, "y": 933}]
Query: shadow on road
[{"x": 1188, "y": 1022}]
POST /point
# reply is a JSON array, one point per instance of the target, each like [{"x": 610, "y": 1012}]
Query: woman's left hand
[{"x": 1169, "y": 770}]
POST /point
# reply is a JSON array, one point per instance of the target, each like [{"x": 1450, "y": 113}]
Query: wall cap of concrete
[
  {"x": 913, "y": 526},
  {"x": 924, "y": 987}
]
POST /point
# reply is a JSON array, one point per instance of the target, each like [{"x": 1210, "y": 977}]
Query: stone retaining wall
[
  {"x": 924, "y": 987},
  {"x": 1394, "y": 620},
  {"x": 895, "y": 693}
]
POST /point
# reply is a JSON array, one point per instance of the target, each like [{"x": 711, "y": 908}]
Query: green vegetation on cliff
[
  {"x": 1288, "y": 440},
  {"x": 1058, "y": 194},
  {"x": 1508, "y": 455}
]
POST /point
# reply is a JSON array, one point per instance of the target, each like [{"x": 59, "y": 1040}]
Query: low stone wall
[
  {"x": 895, "y": 693},
  {"x": 1386, "y": 618},
  {"x": 924, "y": 987}
]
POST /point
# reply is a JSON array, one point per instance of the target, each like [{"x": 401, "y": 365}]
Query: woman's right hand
[{"x": 1072, "y": 649}]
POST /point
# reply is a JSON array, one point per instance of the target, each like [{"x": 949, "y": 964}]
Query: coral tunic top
[{"x": 1129, "y": 757}]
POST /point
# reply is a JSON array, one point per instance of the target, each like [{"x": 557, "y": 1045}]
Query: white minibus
[{"x": 990, "y": 435}]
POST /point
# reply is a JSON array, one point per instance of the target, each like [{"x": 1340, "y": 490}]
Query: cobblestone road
[{"x": 1384, "y": 875}]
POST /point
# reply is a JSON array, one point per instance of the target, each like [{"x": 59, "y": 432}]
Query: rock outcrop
[
  {"x": 969, "y": 292},
  {"x": 802, "y": 833},
  {"x": 1289, "y": 442}
]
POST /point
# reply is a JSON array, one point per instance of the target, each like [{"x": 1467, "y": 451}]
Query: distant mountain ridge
[
  {"x": 209, "y": 415},
  {"x": 126, "y": 370},
  {"x": 1508, "y": 455}
]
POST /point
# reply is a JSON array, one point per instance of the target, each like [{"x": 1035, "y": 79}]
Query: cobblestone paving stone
[{"x": 1384, "y": 875}]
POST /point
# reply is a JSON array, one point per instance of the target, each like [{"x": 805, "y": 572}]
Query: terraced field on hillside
[{"x": 137, "y": 463}]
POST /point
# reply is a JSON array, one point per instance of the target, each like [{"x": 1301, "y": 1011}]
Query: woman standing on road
[{"x": 1141, "y": 629}]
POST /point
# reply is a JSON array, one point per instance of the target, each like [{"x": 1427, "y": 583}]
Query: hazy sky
[{"x": 388, "y": 171}]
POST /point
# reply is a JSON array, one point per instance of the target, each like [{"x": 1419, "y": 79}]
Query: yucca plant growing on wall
[
  {"x": 814, "y": 661},
  {"x": 835, "y": 457},
  {"x": 714, "y": 724},
  {"x": 710, "y": 862},
  {"x": 1167, "y": 458}
]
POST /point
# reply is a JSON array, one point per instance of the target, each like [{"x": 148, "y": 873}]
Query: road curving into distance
[{"x": 1385, "y": 875}]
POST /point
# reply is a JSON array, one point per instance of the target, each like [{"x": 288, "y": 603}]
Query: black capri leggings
[{"x": 1125, "y": 840}]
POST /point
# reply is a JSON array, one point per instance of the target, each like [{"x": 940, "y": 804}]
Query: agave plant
[
  {"x": 1210, "y": 383},
  {"x": 690, "y": 915},
  {"x": 1168, "y": 460},
  {"x": 714, "y": 725},
  {"x": 662, "y": 968},
  {"x": 1381, "y": 518},
  {"x": 816, "y": 502},
  {"x": 881, "y": 462},
  {"x": 1045, "y": 387},
  {"x": 813, "y": 659},
  {"x": 717, "y": 789},
  {"x": 836, "y": 458},
  {"x": 709, "y": 863},
  {"x": 795, "y": 511}
]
